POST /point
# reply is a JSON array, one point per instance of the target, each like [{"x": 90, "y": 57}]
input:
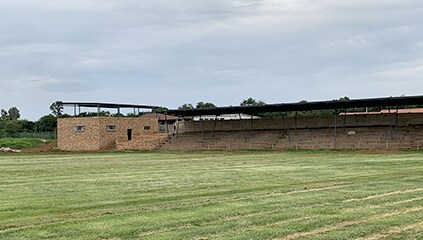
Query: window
[
  {"x": 79, "y": 128},
  {"x": 111, "y": 128},
  {"x": 147, "y": 128}
]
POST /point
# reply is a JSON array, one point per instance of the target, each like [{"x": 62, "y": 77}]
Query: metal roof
[
  {"x": 289, "y": 107},
  {"x": 107, "y": 105}
]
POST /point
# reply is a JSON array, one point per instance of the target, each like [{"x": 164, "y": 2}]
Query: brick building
[{"x": 101, "y": 133}]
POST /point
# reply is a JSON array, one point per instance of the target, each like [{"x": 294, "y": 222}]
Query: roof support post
[
  {"x": 390, "y": 123},
  {"x": 177, "y": 127},
  {"x": 345, "y": 119},
  {"x": 252, "y": 125},
  {"x": 118, "y": 110},
  {"x": 396, "y": 120},
  {"x": 295, "y": 124},
  {"x": 202, "y": 130},
  {"x": 335, "y": 129},
  {"x": 287, "y": 126},
  {"x": 98, "y": 110},
  {"x": 167, "y": 128},
  {"x": 214, "y": 125},
  {"x": 79, "y": 110},
  {"x": 74, "y": 110},
  {"x": 242, "y": 127}
]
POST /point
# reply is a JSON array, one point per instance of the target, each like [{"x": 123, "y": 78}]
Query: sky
[{"x": 171, "y": 52}]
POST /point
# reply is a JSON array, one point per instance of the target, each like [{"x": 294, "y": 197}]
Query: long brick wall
[{"x": 403, "y": 131}]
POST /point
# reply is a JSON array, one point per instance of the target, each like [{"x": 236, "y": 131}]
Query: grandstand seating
[{"x": 311, "y": 138}]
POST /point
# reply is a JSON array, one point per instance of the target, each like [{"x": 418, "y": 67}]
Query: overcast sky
[{"x": 170, "y": 52}]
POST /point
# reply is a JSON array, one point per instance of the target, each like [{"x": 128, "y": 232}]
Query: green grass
[
  {"x": 20, "y": 143},
  {"x": 245, "y": 195}
]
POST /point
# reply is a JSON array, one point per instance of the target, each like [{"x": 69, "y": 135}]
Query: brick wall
[
  {"x": 148, "y": 142},
  {"x": 70, "y": 140},
  {"x": 97, "y": 137}
]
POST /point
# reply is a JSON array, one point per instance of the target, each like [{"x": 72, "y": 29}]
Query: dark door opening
[{"x": 129, "y": 134}]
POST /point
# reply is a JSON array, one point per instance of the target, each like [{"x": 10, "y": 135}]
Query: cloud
[{"x": 170, "y": 52}]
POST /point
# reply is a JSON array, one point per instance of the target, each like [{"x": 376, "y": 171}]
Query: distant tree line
[{"x": 11, "y": 123}]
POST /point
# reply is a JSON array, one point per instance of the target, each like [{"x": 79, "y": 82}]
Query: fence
[{"x": 41, "y": 135}]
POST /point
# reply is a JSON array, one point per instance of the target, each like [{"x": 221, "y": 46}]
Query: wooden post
[
  {"x": 214, "y": 124},
  {"x": 202, "y": 130},
  {"x": 177, "y": 128},
  {"x": 334, "y": 133},
  {"x": 242, "y": 127},
  {"x": 390, "y": 123},
  {"x": 167, "y": 129}
]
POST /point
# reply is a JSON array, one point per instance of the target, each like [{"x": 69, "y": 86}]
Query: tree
[
  {"x": 159, "y": 109},
  {"x": 46, "y": 123},
  {"x": 14, "y": 113},
  {"x": 4, "y": 115},
  {"x": 27, "y": 126},
  {"x": 12, "y": 126},
  {"x": 204, "y": 105},
  {"x": 57, "y": 108},
  {"x": 252, "y": 102},
  {"x": 186, "y": 106}
]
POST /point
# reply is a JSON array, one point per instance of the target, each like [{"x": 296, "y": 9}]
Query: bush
[{"x": 20, "y": 143}]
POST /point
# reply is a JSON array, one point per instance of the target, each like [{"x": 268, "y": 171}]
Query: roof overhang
[
  {"x": 107, "y": 105},
  {"x": 307, "y": 106}
]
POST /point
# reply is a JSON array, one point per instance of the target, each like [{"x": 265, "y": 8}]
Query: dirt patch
[{"x": 42, "y": 148}]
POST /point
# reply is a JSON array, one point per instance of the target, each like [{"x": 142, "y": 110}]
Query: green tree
[
  {"x": 186, "y": 106},
  {"x": 205, "y": 105},
  {"x": 160, "y": 109},
  {"x": 4, "y": 115},
  {"x": 14, "y": 113},
  {"x": 12, "y": 126},
  {"x": 27, "y": 126},
  {"x": 252, "y": 102},
  {"x": 57, "y": 108},
  {"x": 46, "y": 123}
]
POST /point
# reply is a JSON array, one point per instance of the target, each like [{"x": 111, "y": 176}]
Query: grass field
[
  {"x": 20, "y": 143},
  {"x": 245, "y": 195}
]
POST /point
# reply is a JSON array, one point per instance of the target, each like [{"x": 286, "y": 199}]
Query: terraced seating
[{"x": 317, "y": 138}]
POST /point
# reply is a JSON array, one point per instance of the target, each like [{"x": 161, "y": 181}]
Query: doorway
[{"x": 129, "y": 134}]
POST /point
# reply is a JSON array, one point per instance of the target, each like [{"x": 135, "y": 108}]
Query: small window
[
  {"x": 79, "y": 128},
  {"x": 111, "y": 128},
  {"x": 147, "y": 128}
]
